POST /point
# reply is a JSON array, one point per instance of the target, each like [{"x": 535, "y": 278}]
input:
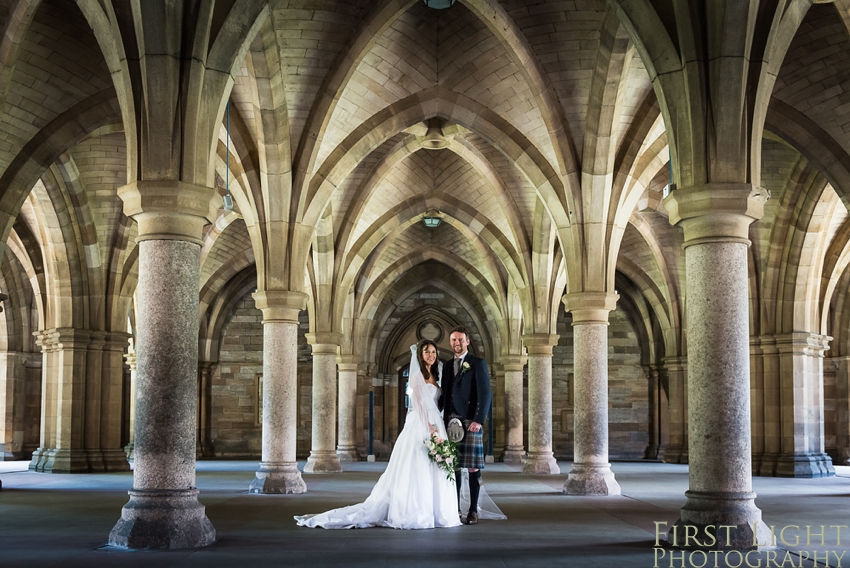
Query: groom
[{"x": 466, "y": 396}]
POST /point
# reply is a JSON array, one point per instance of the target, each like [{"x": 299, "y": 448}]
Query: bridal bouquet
[{"x": 443, "y": 453}]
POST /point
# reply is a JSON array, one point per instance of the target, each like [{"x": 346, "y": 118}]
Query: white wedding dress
[{"x": 413, "y": 493}]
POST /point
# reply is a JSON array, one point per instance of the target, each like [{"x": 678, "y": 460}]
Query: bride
[{"x": 413, "y": 493}]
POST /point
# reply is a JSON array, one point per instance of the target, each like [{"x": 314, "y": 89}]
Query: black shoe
[{"x": 471, "y": 518}]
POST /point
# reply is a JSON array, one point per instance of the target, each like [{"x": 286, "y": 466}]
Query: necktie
[{"x": 457, "y": 365}]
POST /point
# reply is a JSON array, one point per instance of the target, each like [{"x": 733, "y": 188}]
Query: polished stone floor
[{"x": 64, "y": 520}]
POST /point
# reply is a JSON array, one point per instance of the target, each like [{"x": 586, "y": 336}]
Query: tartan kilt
[{"x": 471, "y": 449}]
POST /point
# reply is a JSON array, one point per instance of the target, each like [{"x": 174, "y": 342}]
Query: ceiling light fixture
[
  {"x": 439, "y": 4},
  {"x": 432, "y": 218}
]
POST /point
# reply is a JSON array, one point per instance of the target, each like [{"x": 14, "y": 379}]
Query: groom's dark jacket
[{"x": 467, "y": 394}]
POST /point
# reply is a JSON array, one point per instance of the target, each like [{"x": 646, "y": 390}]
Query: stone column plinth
[
  {"x": 540, "y": 458},
  {"x": 716, "y": 220},
  {"x": 591, "y": 473},
  {"x": 514, "y": 449},
  {"x": 163, "y": 511},
  {"x": 347, "y": 448},
  {"x": 278, "y": 471},
  {"x": 323, "y": 458}
]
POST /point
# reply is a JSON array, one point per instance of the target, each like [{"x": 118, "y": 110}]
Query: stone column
[
  {"x": 62, "y": 448},
  {"x": 675, "y": 369},
  {"x": 278, "y": 471},
  {"x": 514, "y": 449},
  {"x": 764, "y": 390},
  {"x": 347, "y": 448},
  {"x": 93, "y": 403},
  {"x": 591, "y": 473},
  {"x": 716, "y": 220},
  {"x": 497, "y": 379},
  {"x": 364, "y": 386},
  {"x": 540, "y": 458},
  {"x": 802, "y": 417},
  {"x": 203, "y": 438},
  {"x": 129, "y": 448},
  {"x": 841, "y": 366},
  {"x": 12, "y": 404},
  {"x": 323, "y": 458},
  {"x": 653, "y": 445},
  {"x": 163, "y": 510},
  {"x": 112, "y": 400}
]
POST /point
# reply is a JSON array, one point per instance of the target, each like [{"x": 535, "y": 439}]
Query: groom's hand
[{"x": 474, "y": 427}]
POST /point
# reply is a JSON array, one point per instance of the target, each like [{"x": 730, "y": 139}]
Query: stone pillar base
[
  {"x": 115, "y": 460},
  {"x": 513, "y": 455},
  {"x": 804, "y": 466},
  {"x": 322, "y": 462},
  {"x": 591, "y": 479},
  {"x": 52, "y": 460},
  {"x": 540, "y": 463},
  {"x": 278, "y": 478},
  {"x": 163, "y": 520},
  {"x": 702, "y": 510},
  {"x": 348, "y": 454},
  {"x": 675, "y": 455}
]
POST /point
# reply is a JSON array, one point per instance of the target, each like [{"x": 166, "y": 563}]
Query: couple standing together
[{"x": 413, "y": 493}]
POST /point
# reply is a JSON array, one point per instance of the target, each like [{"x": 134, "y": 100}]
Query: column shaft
[
  {"x": 719, "y": 450},
  {"x": 677, "y": 395},
  {"x": 323, "y": 458},
  {"x": 514, "y": 449},
  {"x": 163, "y": 511},
  {"x": 130, "y": 447},
  {"x": 541, "y": 459},
  {"x": 591, "y": 473},
  {"x": 278, "y": 471},
  {"x": 347, "y": 447}
]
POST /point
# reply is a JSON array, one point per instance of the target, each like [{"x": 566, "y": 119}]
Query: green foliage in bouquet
[{"x": 443, "y": 452}]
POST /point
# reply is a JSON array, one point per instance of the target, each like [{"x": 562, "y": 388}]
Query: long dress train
[{"x": 413, "y": 493}]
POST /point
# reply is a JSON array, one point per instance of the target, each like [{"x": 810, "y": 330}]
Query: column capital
[
  {"x": 169, "y": 209},
  {"x": 513, "y": 362},
  {"x": 590, "y": 307},
  {"x": 716, "y": 211},
  {"x": 540, "y": 343},
  {"x": 803, "y": 343},
  {"x": 348, "y": 363},
  {"x": 280, "y": 305},
  {"x": 324, "y": 343}
]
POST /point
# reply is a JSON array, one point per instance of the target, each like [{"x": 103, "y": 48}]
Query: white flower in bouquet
[{"x": 443, "y": 452}]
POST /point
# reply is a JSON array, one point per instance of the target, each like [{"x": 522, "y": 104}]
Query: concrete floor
[{"x": 64, "y": 520}]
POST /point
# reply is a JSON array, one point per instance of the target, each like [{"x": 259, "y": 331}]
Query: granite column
[
  {"x": 514, "y": 449},
  {"x": 163, "y": 510},
  {"x": 278, "y": 471},
  {"x": 541, "y": 459},
  {"x": 716, "y": 221},
  {"x": 323, "y": 458},
  {"x": 591, "y": 473},
  {"x": 347, "y": 447}
]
